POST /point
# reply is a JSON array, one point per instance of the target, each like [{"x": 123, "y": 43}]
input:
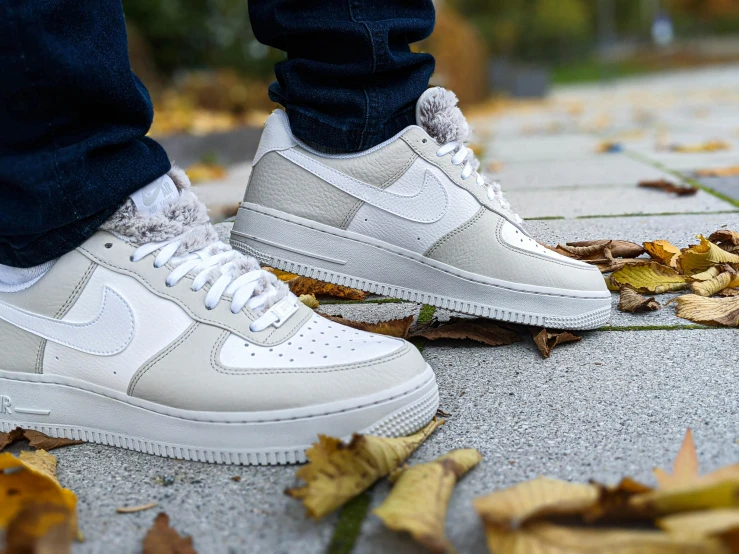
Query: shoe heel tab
[{"x": 276, "y": 135}]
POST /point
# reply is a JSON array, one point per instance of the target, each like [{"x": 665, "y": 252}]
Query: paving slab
[
  {"x": 597, "y": 170},
  {"x": 572, "y": 202},
  {"x": 618, "y": 407},
  {"x": 728, "y": 186},
  {"x": 679, "y": 161},
  {"x": 536, "y": 148},
  {"x": 202, "y": 500}
]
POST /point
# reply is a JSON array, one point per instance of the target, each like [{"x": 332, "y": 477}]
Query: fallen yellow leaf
[
  {"x": 306, "y": 285},
  {"x": 710, "y": 523},
  {"x": 309, "y": 300},
  {"x": 40, "y": 529},
  {"x": 663, "y": 251},
  {"x": 547, "y": 538},
  {"x": 700, "y": 257},
  {"x": 730, "y": 171},
  {"x": 649, "y": 277},
  {"x": 512, "y": 507},
  {"x": 201, "y": 172},
  {"x": 712, "y": 286},
  {"x": 708, "y": 146},
  {"x": 684, "y": 468},
  {"x": 31, "y": 480},
  {"x": 709, "y": 311},
  {"x": 337, "y": 472},
  {"x": 418, "y": 502},
  {"x": 708, "y": 274}
]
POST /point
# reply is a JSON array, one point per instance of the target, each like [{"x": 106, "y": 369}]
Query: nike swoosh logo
[
  {"x": 107, "y": 334},
  {"x": 428, "y": 205}
]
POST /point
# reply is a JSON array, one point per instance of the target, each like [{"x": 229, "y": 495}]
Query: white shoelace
[
  {"x": 215, "y": 264},
  {"x": 465, "y": 156}
]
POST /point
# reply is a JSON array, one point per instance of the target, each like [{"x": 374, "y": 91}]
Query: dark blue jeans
[{"x": 73, "y": 116}]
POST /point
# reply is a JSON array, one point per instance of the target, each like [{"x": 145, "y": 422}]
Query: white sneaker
[
  {"x": 410, "y": 218},
  {"x": 156, "y": 337}
]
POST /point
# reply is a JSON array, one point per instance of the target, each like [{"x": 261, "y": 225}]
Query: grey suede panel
[
  {"x": 476, "y": 246},
  {"x": 189, "y": 375},
  {"x": 52, "y": 296},
  {"x": 280, "y": 184}
]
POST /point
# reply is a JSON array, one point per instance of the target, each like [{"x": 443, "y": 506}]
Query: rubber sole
[
  {"x": 63, "y": 407},
  {"x": 312, "y": 249}
]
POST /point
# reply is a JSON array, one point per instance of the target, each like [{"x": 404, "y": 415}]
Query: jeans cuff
[{"x": 310, "y": 129}]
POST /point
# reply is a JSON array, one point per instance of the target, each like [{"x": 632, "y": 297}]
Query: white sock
[{"x": 13, "y": 279}]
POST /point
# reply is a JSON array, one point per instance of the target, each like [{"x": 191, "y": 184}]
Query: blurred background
[
  {"x": 208, "y": 75},
  {"x": 202, "y": 55}
]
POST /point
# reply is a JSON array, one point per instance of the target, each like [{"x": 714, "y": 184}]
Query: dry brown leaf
[
  {"x": 667, "y": 186},
  {"x": 730, "y": 171},
  {"x": 479, "y": 329},
  {"x": 699, "y": 257},
  {"x": 306, "y": 285},
  {"x": 684, "y": 468},
  {"x": 557, "y": 249},
  {"x": 709, "y": 311},
  {"x": 708, "y": 146},
  {"x": 663, "y": 251},
  {"x": 337, "y": 472},
  {"x": 40, "y": 529},
  {"x": 726, "y": 293},
  {"x": 31, "y": 480},
  {"x": 36, "y": 439},
  {"x": 309, "y": 300},
  {"x": 649, "y": 277},
  {"x": 542, "y": 497},
  {"x": 548, "y": 538},
  {"x": 712, "y": 286},
  {"x": 546, "y": 340},
  {"x": 725, "y": 236},
  {"x": 618, "y": 248},
  {"x": 418, "y": 501},
  {"x": 614, "y": 502},
  {"x": 393, "y": 328},
  {"x": 163, "y": 539},
  {"x": 633, "y": 302},
  {"x": 136, "y": 509}
]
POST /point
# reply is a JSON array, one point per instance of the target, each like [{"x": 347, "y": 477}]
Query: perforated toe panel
[{"x": 319, "y": 343}]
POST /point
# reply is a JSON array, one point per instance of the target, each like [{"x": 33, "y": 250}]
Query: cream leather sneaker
[
  {"x": 154, "y": 336},
  {"x": 410, "y": 218}
]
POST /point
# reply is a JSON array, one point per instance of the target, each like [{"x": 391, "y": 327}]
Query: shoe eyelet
[
  {"x": 424, "y": 141},
  {"x": 108, "y": 245}
]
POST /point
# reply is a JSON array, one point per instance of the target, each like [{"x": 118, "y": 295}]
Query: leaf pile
[
  {"x": 417, "y": 504},
  {"x": 709, "y": 270},
  {"x": 685, "y": 513}
]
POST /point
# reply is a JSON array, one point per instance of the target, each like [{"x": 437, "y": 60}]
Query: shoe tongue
[
  {"x": 437, "y": 113},
  {"x": 156, "y": 196}
]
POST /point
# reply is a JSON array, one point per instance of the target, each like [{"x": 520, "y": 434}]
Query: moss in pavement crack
[{"x": 349, "y": 524}]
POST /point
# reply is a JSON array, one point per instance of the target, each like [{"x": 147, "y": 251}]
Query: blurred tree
[
  {"x": 707, "y": 9},
  {"x": 192, "y": 34}
]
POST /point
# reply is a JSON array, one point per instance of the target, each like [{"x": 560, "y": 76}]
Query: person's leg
[
  {"x": 351, "y": 80},
  {"x": 73, "y": 120}
]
